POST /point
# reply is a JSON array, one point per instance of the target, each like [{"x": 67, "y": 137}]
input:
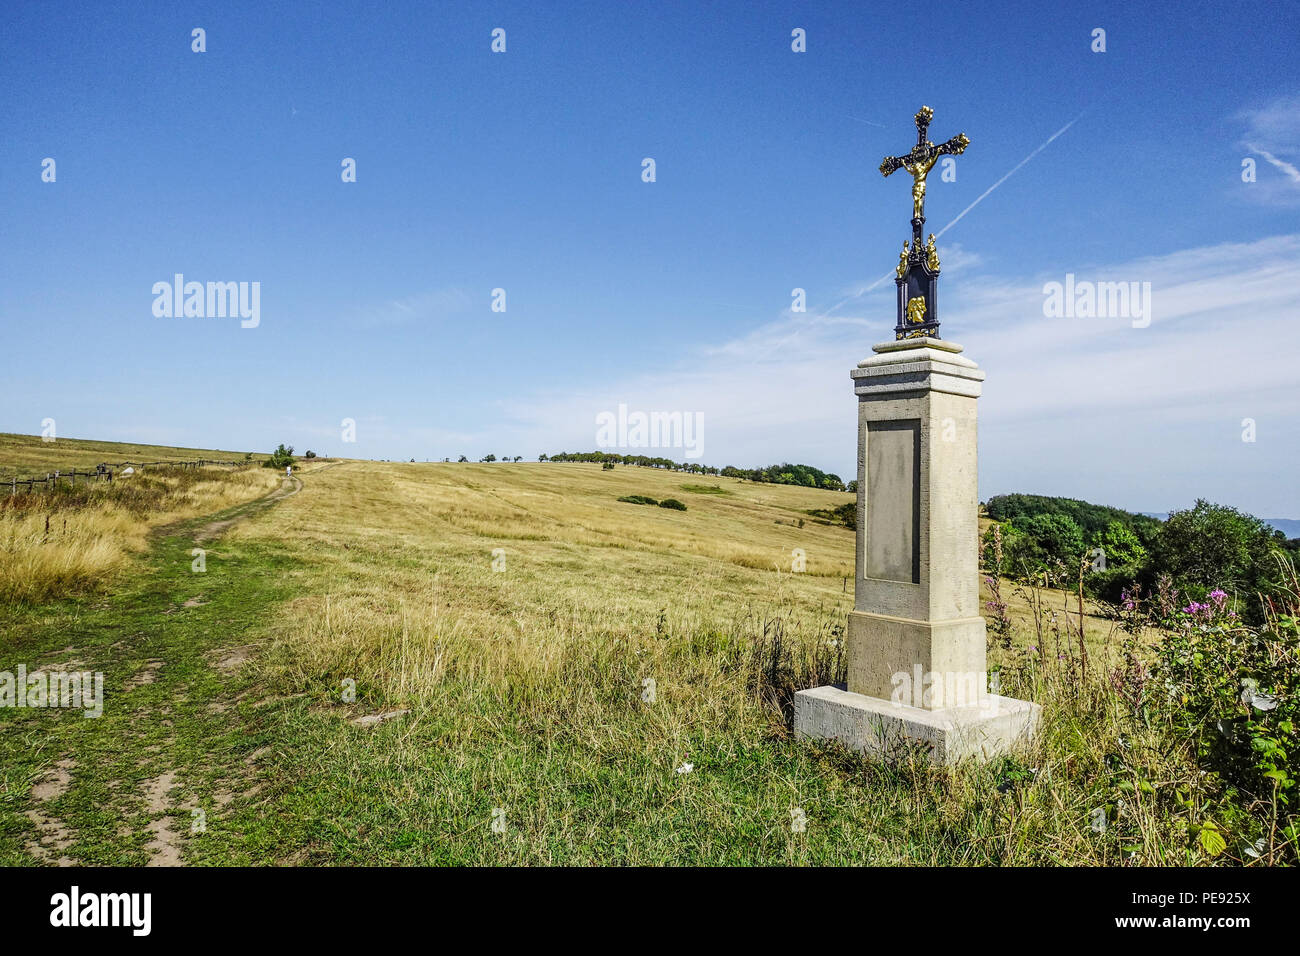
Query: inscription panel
[{"x": 893, "y": 519}]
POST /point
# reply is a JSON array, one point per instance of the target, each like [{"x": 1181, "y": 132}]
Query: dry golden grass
[
  {"x": 528, "y": 680},
  {"x": 403, "y": 590},
  {"x": 408, "y": 589},
  {"x": 27, "y": 456},
  {"x": 53, "y": 543},
  {"x": 523, "y": 686}
]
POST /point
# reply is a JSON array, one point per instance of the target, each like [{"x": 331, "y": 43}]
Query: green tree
[
  {"x": 1121, "y": 546},
  {"x": 1211, "y": 545},
  {"x": 1056, "y": 536},
  {"x": 282, "y": 457}
]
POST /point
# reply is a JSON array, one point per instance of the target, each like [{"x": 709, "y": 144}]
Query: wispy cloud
[{"x": 421, "y": 308}]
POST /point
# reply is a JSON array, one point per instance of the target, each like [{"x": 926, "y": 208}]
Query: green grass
[
  {"x": 147, "y": 730},
  {"x": 418, "y": 789}
]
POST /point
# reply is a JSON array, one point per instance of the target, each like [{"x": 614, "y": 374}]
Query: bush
[
  {"x": 1212, "y": 545},
  {"x": 639, "y": 500},
  {"x": 672, "y": 503},
  {"x": 1234, "y": 690},
  {"x": 1093, "y": 519},
  {"x": 846, "y": 514},
  {"x": 1121, "y": 546}
]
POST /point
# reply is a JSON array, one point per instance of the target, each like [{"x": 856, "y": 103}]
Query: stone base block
[
  {"x": 883, "y": 650},
  {"x": 880, "y": 727}
]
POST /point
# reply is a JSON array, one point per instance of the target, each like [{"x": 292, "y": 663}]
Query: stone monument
[{"x": 916, "y": 640}]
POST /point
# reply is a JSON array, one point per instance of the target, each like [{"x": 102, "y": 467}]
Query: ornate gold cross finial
[
  {"x": 921, "y": 160},
  {"x": 917, "y": 275}
]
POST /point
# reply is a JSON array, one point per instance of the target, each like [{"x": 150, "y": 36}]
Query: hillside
[
  {"x": 1090, "y": 518},
  {"x": 27, "y": 455}
]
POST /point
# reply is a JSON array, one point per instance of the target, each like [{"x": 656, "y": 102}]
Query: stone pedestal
[{"x": 916, "y": 641}]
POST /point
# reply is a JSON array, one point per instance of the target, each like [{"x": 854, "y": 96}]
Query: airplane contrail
[
  {"x": 1282, "y": 164},
  {"x": 1047, "y": 142}
]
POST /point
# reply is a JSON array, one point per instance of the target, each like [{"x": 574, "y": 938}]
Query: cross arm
[
  {"x": 889, "y": 164},
  {"x": 955, "y": 146}
]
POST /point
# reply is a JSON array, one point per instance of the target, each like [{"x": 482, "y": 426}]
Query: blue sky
[{"x": 522, "y": 170}]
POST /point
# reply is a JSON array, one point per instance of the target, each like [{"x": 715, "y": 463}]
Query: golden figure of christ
[{"x": 922, "y": 158}]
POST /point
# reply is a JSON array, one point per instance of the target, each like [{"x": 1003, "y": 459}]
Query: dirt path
[
  {"x": 172, "y": 740},
  {"x": 212, "y": 528},
  {"x": 288, "y": 488}
]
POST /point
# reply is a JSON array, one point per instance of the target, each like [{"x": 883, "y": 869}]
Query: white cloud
[
  {"x": 1276, "y": 124},
  {"x": 1137, "y": 417}
]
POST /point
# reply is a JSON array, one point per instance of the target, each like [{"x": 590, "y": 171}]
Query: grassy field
[
  {"x": 26, "y": 456},
  {"x": 70, "y": 538},
  {"x": 501, "y": 663}
]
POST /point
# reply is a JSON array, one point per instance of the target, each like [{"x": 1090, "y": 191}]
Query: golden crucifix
[{"x": 922, "y": 158}]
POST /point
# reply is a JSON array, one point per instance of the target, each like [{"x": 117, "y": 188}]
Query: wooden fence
[{"x": 102, "y": 472}]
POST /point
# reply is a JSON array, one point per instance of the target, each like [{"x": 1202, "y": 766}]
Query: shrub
[
  {"x": 1121, "y": 546},
  {"x": 1234, "y": 690},
  {"x": 1213, "y": 545},
  {"x": 1093, "y": 519},
  {"x": 846, "y": 514},
  {"x": 639, "y": 500},
  {"x": 672, "y": 503}
]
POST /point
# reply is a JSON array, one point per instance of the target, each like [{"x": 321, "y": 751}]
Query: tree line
[
  {"x": 1200, "y": 549},
  {"x": 783, "y": 474}
]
